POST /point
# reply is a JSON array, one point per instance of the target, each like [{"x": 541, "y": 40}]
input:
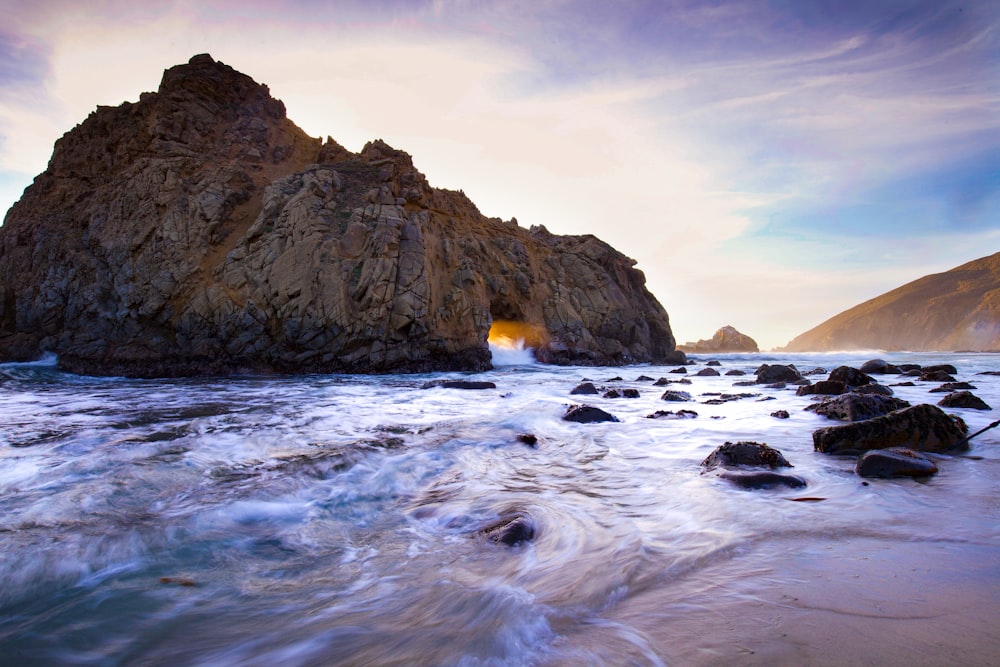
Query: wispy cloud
[{"x": 745, "y": 152}]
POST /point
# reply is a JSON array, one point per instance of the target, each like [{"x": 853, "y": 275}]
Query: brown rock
[
  {"x": 726, "y": 339},
  {"x": 963, "y": 399},
  {"x": 895, "y": 462},
  {"x": 922, "y": 427},
  {"x": 857, "y": 407},
  {"x": 200, "y": 231},
  {"x": 745, "y": 454}
]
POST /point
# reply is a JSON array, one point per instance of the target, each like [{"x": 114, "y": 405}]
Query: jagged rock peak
[
  {"x": 726, "y": 339},
  {"x": 201, "y": 231}
]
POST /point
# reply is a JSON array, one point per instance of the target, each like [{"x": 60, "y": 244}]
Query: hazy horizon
[{"x": 768, "y": 164}]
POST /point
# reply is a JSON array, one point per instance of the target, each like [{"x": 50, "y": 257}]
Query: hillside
[{"x": 954, "y": 310}]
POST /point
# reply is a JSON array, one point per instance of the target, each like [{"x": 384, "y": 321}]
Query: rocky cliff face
[
  {"x": 200, "y": 231},
  {"x": 955, "y": 310}
]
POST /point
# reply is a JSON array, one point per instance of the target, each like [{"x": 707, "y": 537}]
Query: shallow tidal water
[{"x": 335, "y": 520}]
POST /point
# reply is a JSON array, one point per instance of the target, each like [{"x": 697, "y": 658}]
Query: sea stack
[{"x": 200, "y": 231}]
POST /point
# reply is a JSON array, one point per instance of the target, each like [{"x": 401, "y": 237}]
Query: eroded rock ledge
[{"x": 199, "y": 231}]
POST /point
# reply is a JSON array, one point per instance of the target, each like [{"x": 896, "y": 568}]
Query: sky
[{"x": 769, "y": 164}]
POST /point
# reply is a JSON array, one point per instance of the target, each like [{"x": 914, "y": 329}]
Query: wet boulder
[
  {"x": 780, "y": 414},
  {"x": 733, "y": 454},
  {"x": 949, "y": 387},
  {"x": 849, "y": 376},
  {"x": 667, "y": 414},
  {"x": 879, "y": 367},
  {"x": 963, "y": 399},
  {"x": 762, "y": 479},
  {"x": 511, "y": 530},
  {"x": 458, "y": 384},
  {"x": 936, "y": 375},
  {"x": 707, "y": 372},
  {"x": 943, "y": 368},
  {"x": 873, "y": 388},
  {"x": 823, "y": 387},
  {"x": 857, "y": 407},
  {"x": 675, "y": 396},
  {"x": 736, "y": 372},
  {"x": 922, "y": 427},
  {"x": 895, "y": 462},
  {"x": 584, "y": 388},
  {"x": 770, "y": 374},
  {"x": 587, "y": 414}
]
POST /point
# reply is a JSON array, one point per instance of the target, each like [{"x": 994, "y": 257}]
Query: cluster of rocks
[{"x": 888, "y": 436}]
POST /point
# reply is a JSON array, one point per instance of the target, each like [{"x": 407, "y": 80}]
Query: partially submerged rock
[
  {"x": 676, "y": 396},
  {"x": 510, "y": 530},
  {"x": 762, "y": 479},
  {"x": 823, "y": 387},
  {"x": 895, "y": 462},
  {"x": 963, "y": 399},
  {"x": 922, "y": 427},
  {"x": 584, "y": 388},
  {"x": 857, "y": 407},
  {"x": 587, "y": 414},
  {"x": 459, "y": 384},
  {"x": 851, "y": 377},
  {"x": 745, "y": 454},
  {"x": 770, "y": 374},
  {"x": 668, "y": 414}
]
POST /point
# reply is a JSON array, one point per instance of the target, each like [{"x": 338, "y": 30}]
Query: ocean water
[{"x": 336, "y": 520}]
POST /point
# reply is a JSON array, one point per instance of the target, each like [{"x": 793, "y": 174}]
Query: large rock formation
[
  {"x": 200, "y": 231},
  {"x": 726, "y": 339},
  {"x": 955, "y": 310}
]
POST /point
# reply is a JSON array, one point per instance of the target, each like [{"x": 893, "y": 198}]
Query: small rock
[
  {"x": 630, "y": 393},
  {"x": 713, "y": 363},
  {"x": 458, "y": 384},
  {"x": 745, "y": 454},
  {"x": 612, "y": 393},
  {"x": 761, "y": 479},
  {"x": 735, "y": 372},
  {"x": 963, "y": 399},
  {"x": 681, "y": 370},
  {"x": 777, "y": 373},
  {"x": 935, "y": 376},
  {"x": 873, "y": 388},
  {"x": 614, "y": 379},
  {"x": 705, "y": 372},
  {"x": 667, "y": 414},
  {"x": 510, "y": 530},
  {"x": 944, "y": 368},
  {"x": 644, "y": 378},
  {"x": 584, "y": 388},
  {"x": 587, "y": 414},
  {"x": 857, "y": 407},
  {"x": 849, "y": 376},
  {"x": 948, "y": 387},
  {"x": 780, "y": 414},
  {"x": 529, "y": 439},
  {"x": 895, "y": 462},
  {"x": 823, "y": 387},
  {"x": 671, "y": 395}
]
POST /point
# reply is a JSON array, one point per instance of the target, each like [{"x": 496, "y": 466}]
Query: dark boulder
[
  {"x": 769, "y": 374},
  {"x": 510, "y": 530},
  {"x": 879, "y": 367},
  {"x": 780, "y": 414},
  {"x": 587, "y": 414},
  {"x": 713, "y": 362},
  {"x": 873, "y": 388},
  {"x": 680, "y": 370},
  {"x": 762, "y": 479},
  {"x": 644, "y": 378},
  {"x": 667, "y": 414},
  {"x": 948, "y": 387},
  {"x": 944, "y": 368},
  {"x": 630, "y": 393},
  {"x": 735, "y": 372},
  {"x": 745, "y": 454},
  {"x": 894, "y": 462},
  {"x": 922, "y": 427},
  {"x": 823, "y": 387},
  {"x": 857, "y": 407},
  {"x": 849, "y": 376},
  {"x": 935, "y": 376},
  {"x": 963, "y": 399},
  {"x": 677, "y": 396},
  {"x": 707, "y": 372},
  {"x": 529, "y": 439},
  {"x": 584, "y": 388},
  {"x": 612, "y": 393},
  {"x": 458, "y": 384}
]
